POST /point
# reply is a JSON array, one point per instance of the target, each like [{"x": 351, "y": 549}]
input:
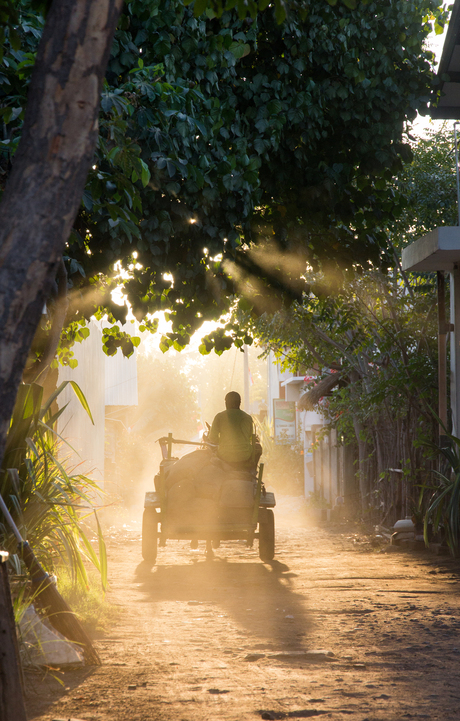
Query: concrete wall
[
  {"x": 74, "y": 425},
  {"x": 121, "y": 380},
  {"x": 104, "y": 381}
]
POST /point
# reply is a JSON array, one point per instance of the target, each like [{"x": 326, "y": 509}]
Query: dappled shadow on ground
[
  {"x": 43, "y": 688},
  {"x": 258, "y": 597}
]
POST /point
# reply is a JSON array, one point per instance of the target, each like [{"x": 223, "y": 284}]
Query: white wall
[
  {"x": 74, "y": 424},
  {"x": 104, "y": 380},
  {"x": 308, "y": 419},
  {"x": 121, "y": 380}
]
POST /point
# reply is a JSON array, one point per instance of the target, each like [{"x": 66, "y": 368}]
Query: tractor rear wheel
[
  {"x": 150, "y": 535},
  {"x": 266, "y": 535}
]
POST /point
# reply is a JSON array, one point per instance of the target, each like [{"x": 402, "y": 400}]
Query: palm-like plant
[
  {"x": 444, "y": 501},
  {"x": 48, "y": 502}
]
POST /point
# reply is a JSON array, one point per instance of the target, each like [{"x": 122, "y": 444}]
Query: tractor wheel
[
  {"x": 266, "y": 535},
  {"x": 150, "y": 535}
]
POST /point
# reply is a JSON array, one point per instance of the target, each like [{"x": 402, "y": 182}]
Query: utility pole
[{"x": 246, "y": 403}]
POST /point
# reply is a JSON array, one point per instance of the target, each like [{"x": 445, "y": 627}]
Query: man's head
[{"x": 232, "y": 400}]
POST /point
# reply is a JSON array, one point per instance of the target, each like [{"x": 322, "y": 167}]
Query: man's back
[{"x": 232, "y": 431}]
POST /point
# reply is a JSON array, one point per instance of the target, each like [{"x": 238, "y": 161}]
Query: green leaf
[
  {"x": 81, "y": 397},
  {"x": 199, "y": 7},
  {"x": 280, "y": 11},
  {"x": 204, "y": 349},
  {"x": 239, "y": 50},
  {"x": 15, "y": 39},
  {"x": 438, "y": 28},
  {"x": 145, "y": 175}
]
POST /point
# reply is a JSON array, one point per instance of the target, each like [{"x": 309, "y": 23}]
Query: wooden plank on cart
[
  {"x": 211, "y": 530},
  {"x": 152, "y": 500},
  {"x": 267, "y": 500}
]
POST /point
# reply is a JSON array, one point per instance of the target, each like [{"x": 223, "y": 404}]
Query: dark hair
[{"x": 232, "y": 400}]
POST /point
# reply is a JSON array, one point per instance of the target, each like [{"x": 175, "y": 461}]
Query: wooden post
[
  {"x": 349, "y": 478},
  {"x": 442, "y": 354},
  {"x": 398, "y": 495},
  {"x": 170, "y": 444},
  {"x": 455, "y": 349},
  {"x": 314, "y": 458},
  {"x": 11, "y": 698},
  {"x": 246, "y": 403}
]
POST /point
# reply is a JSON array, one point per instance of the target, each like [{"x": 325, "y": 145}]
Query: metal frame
[{"x": 245, "y": 531}]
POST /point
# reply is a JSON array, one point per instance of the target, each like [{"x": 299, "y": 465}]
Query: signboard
[{"x": 284, "y": 414}]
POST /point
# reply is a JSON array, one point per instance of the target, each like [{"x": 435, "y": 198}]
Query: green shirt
[{"x": 232, "y": 432}]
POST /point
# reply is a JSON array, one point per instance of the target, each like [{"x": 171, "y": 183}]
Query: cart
[{"x": 247, "y": 524}]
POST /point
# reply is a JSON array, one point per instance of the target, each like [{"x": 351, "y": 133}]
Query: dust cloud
[{"x": 179, "y": 393}]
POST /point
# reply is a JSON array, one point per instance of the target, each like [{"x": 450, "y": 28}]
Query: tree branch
[{"x": 322, "y": 362}]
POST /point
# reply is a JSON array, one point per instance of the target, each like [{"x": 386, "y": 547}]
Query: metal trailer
[{"x": 256, "y": 522}]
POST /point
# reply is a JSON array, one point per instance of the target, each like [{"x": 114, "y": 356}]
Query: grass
[
  {"x": 50, "y": 504},
  {"x": 91, "y": 605}
]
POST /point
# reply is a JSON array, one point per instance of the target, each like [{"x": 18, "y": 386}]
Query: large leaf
[{"x": 78, "y": 392}]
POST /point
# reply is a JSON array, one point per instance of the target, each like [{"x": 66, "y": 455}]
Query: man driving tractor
[
  {"x": 212, "y": 494},
  {"x": 232, "y": 431}
]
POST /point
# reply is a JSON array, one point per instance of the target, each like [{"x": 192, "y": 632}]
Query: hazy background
[{"x": 178, "y": 393}]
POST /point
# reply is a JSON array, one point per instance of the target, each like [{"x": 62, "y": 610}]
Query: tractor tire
[
  {"x": 150, "y": 535},
  {"x": 266, "y": 535}
]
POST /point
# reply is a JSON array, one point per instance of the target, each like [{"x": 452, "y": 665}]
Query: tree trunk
[
  {"x": 11, "y": 700},
  {"x": 362, "y": 465},
  {"x": 43, "y": 192},
  {"x": 350, "y": 491},
  {"x": 38, "y": 371}
]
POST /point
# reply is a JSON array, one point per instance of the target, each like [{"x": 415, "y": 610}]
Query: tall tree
[
  {"x": 330, "y": 68},
  {"x": 376, "y": 343},
  {"x": 218, "y": 134},
  {"x": 44, "y": 189},
  {"x": 283, "y": 136},
  {"x": 378, "y": 335},
  {"x": 43, "y": 192}
]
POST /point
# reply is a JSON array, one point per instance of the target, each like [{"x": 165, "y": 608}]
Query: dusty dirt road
[{"x": 331, "y": 628}]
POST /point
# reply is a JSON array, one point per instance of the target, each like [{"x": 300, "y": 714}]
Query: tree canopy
[
  {"x": 428, "y": 187},
  {"x": 372, "y": 343},
  {"x": 221, "y": 135}
]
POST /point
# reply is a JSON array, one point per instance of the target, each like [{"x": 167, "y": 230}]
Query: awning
[
  {"x": 438, "y": 250},
  {"x": 294, "y": 380},
  {"x": 449, "y": 104}
]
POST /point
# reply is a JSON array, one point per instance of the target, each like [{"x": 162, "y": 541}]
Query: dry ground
[{"x": 333, "y": 627}]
